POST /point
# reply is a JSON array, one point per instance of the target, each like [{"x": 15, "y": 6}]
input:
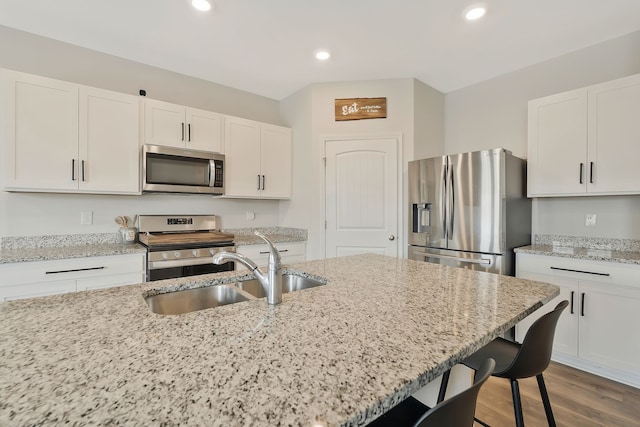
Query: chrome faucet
[{"x": 272, "y": 281}]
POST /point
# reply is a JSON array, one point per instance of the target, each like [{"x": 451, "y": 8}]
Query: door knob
[{"x": 392, "y": 237}]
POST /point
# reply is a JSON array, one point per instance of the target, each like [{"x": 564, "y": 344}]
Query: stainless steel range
[{"x": 182, "y": 245}]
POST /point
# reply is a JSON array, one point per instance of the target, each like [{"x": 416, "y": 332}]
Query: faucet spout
[{"x": 271, "y": 281}]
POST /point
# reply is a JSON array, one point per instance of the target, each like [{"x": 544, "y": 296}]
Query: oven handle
[{"x": 156, "y": 265}]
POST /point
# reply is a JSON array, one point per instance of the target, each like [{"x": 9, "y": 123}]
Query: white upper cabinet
[
  {"x": 39, "y": 132},
  {"x": 183, "y": 127},
  {"x": 63, "y": 137},
  {"x": 585, "y": 142},
  {"x": 258, "y": 159},
  {"x": 109, "y": 144}
]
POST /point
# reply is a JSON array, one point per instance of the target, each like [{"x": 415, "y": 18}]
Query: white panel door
[
  {"x": 361, "y": 197},
  {"x": 204, "y": 130},
  {"x": 40, "y": 132},
  {"x": 557, "y": 154},
  {"x": 109, "y": 142},
  {"x": 614, "y": 136},
  {"x": 276, "y": 158}
]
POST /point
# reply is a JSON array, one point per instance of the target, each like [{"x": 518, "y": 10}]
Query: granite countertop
[
  {"x": 67, "y": 252},
  {"x": 591, "y": 254},
  {"x": 46, "y": 248},
  {"x": 334, "y": 355}
]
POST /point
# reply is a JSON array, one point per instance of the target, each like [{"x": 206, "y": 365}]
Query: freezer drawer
[{"x": 490, "y": 263}]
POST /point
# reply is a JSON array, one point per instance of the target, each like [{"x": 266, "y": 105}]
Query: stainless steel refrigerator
[{"x": 469, "y": 210}]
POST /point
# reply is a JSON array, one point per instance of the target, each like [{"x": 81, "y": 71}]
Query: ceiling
[{"x": 266, "y": 47}]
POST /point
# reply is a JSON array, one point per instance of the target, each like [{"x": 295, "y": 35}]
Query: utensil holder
[{"x": 128, "y": 235}]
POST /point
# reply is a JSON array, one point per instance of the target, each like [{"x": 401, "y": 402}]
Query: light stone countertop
[
  {"x": 46, "y": 248},
  {"x": 591, "y": 254},
  {"x": 335, "y": 355}
]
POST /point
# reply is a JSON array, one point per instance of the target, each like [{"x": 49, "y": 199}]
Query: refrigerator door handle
[
  {"x": 452, "y": 205},
  {"x": 454, "y": 258},
  {"x": 443, "y": 199}
]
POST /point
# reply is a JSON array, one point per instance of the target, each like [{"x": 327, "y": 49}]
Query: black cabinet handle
[
  {"x": 83, "y": 170},
  {"x": 189, "y": 131},
  {"x": 73, "y": 169},
  {"x": 580, "y": 271},
  {"x": 73, "y": 270},
  {"x": 581, "y": 171},
  {"x": 591, "y": 173},
  {"x": 582, "y": 304},
  {"x": 258, "y": 182},
  {"x": 183, "y": 131},
  {"x": 263, "y": 182},
  {"x": 572, "y": 295}
]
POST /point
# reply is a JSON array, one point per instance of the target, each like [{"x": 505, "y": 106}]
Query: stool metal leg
[
  {"x": 517, "y": 404},
  {"x": 443, "y": 385},
  {"x": 545, "y": 401}
]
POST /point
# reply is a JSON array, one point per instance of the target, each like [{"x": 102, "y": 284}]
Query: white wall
[
  {"x": 317, "y": 102},
  {"x": 494, "y": 114},
  {"x": 44, "y": 214}
]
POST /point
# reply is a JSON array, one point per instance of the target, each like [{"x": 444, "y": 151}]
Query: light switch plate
[
  {"x": 86, "y": 218},
  {"x": 590, "y": 220}
]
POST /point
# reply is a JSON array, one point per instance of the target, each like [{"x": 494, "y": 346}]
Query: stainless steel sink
[
  {"x": 195, "y": 299},
  {"x": 290, "y": 283}
]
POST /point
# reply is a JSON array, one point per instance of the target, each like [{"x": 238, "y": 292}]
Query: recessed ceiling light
[
  {"x": 322, "y": 55},
  {"x": 202, "y": 5},
  {"x": 475, "y": 11}
]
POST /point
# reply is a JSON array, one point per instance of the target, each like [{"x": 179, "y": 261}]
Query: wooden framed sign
[{"x": 361, "y": 108}]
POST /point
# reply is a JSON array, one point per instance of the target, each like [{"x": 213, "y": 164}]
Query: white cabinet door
[
  {"x": 566, "y": 337},
  {"x": 109, "y": 142},
  {"x": 204, "y": 130},
  {"x": 276, "y": 161},
  {"x": 40, "y": 132},
  {"x": 109, "y": 281},
  {"x": 557, "y": 150},
  {"x": 614, "y": 136},
  {"x": 32, "y": 290},
  {"x": 242, "y": 158},
  {"x": 609, "y": 319},
  {"x": 164, "y": 123}
]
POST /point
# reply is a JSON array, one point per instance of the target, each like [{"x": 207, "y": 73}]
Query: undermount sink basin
[
  {"x": 290, "y": 283},
  {"x": 181, "y": 302},
  {"x": 195, "y": 299}
]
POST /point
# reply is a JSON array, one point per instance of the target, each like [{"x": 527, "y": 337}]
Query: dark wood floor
[{"x": 577, "y": 398}]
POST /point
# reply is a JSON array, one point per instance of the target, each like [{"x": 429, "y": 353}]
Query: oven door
[{"x": 175, "y": 272}]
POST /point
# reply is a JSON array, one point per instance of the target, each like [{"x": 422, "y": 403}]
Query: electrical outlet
[
  {"x": 86, "y": 218},
  {"x": 590, "y": 220},
  {"x": 251, "y": 215}
]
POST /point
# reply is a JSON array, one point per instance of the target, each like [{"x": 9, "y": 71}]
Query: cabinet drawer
[
  {"x": 594, "y": 271},
  {"x": 289, "y": 252},
  {"x": 32, "y": 290},
  {"x": 49, "y": 271},
  {"x": 110, "y": 281}
]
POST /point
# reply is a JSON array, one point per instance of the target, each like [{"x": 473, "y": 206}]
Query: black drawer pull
[
  {"x": 582, "y": 305},
  {"x": 279, "y": 250},
  {"x": 580, "y": 271},
  {"x": 76, "y": 269}
]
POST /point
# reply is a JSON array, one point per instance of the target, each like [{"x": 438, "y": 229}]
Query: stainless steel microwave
[{"x": 177, "y": 170}]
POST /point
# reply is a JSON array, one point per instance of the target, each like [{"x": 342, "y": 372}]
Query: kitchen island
[{"x": 335, "y": 355}]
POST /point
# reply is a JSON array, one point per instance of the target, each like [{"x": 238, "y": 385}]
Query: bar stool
[
  {"x": 457, "y": 411},
  {"x": 515, "y": 361}
]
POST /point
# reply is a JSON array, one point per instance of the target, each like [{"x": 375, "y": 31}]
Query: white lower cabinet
[
  {"x": 598, "y": 331},
  {"x": 41, "y": 278},
  {"x": 289, "y": 253}
]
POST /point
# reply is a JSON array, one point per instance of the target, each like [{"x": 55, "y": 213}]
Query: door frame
[{"x": 402, "y": 197}]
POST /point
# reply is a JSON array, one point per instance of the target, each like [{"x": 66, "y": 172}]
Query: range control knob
[
  {"x": 194, "y": 253},
  {"x": 177, "y": 254},
  {"x": 165, "y": 255},
  {"x": 212, "y": 251}
]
